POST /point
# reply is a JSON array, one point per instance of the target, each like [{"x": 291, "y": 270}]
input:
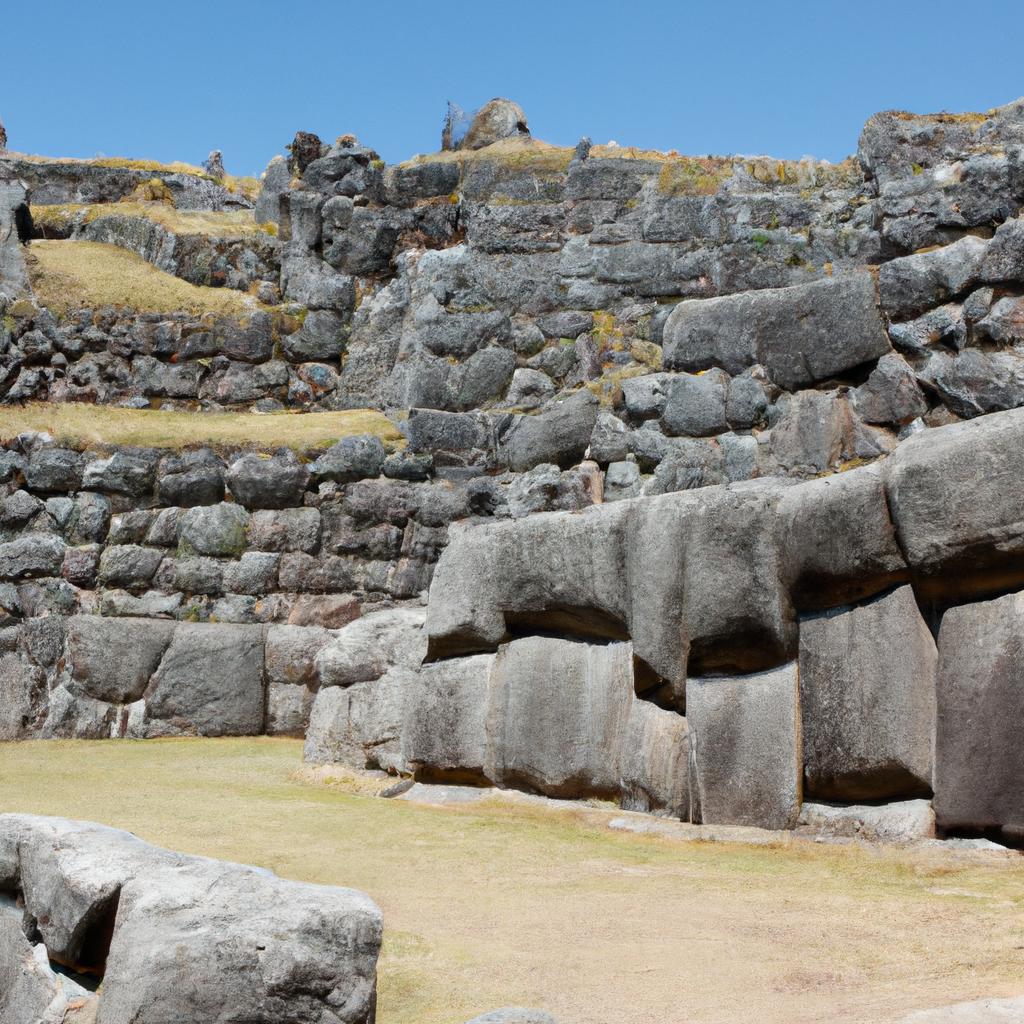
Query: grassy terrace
[
  {"x": 84, "y": 425},
  {"x": 77, "y": 275},
  {"x": 227, "y": 224},
  {"x": 492, "y": 904}
]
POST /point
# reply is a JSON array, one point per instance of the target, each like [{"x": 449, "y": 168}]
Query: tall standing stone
[
  {"x": 867, "y": 697},
  {"x": 13, "y": 214},
  {"x": 745, "y": 755},
  {"x": 979, "y": 753}
]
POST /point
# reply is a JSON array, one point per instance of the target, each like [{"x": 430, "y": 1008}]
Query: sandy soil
[{"x": 492, "y": 904}]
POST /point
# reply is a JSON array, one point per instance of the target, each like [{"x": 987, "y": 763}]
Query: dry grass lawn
[
  {"x": 80, "y": 424},
  {"x": 77, "y": 275},
  {"x": 491, "y": 905}
]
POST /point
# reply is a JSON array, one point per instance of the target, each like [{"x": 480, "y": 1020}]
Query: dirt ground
[{"x": 491, "y": 905}]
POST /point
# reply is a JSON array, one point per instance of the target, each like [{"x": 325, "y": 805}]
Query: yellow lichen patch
[
  {"x": 79, "y": 275},
  {"x": 227, "y": 224},
  {"x": 82, "y": 425}
]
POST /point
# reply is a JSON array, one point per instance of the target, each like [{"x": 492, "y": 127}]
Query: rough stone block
[
  {"x": 556, "y": 715},
  {"x": 867, "y": 696},
  {"x": 745, "y": 761},
  {"x": 444, "y": 734},
  {"x": 979, "y": 757}
]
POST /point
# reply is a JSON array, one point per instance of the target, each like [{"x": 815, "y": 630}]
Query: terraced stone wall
[{"x": 551, "y": 330}]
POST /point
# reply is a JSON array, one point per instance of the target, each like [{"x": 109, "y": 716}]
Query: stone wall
[{"x": 637, "y": 396}]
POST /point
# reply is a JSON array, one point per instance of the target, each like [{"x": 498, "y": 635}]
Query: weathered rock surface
[
  {"x": 904, "y": 821},
  {"x": 176, "y": 937},
  {"x": 556, "y": 716},
  {"x": 745, "y": 751},
  {"x": 13, "y": 208},
  {"x": 979, "y": 761},
  {"x": 867, "y": 700},
  {"x": 800, "y": 335}
]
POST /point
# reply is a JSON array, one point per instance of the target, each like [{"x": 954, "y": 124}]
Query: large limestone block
[
  {"x": 558, "y": 434},
  {"x": 360, "y": 725},
  {"x": 654, "y": 767},
  {"x": 912, "y": 284},
  {"x": 556, "y": 716},
  {"x": 838, "y": 541},
  {"x": 745, "y": 758},
  {"x": 867, "y": 696},
  {"x": 979, "y": 756},
  {"x": 291, "y": 675},
  {"x": 956, "y": 494},
  {"x": 209, "y": 683},
  {"x": 114, "y": 659},
  {"x": 366, "y": 648},
  {"x": 558, "y": 571},
  {"x": 736, "y": 613},
  {"x": 444, "y": 734},
  {"x": 180, "y": 938},
  {"x": 801, "y": 334}
]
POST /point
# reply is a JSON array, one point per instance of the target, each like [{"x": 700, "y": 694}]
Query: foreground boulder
[{"x": 178, "y": 938}]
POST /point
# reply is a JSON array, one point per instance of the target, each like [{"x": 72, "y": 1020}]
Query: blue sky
[{"x": 172, "y": 80}]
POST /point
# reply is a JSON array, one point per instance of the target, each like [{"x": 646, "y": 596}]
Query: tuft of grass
[
  {"x": 525, "y": 154},
  {"x": 227, "y": 224},
  {"x": 693, "y": 176},
  {"x": 500, "y": 904},
  {"x": 82, "y": 425},
  {"x": 78, "y": 275}
]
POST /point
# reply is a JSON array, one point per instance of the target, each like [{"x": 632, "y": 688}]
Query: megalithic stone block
[
  {"x": 979, "y": 743},
  {"x": 867, "y": 696},
  {"x": 745, "y": 751},
  {"x": 557, "y": 714}
]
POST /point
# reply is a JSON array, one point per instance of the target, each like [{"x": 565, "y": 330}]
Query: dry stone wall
[{"x": 641, "y": 398}]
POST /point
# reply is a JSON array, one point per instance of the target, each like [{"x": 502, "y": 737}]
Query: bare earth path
[{"x": 492, "y": 905}]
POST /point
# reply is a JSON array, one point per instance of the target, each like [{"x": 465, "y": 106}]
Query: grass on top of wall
[
  {"x": 78, "y": 275},
  {"x": 226, "y": 224},
  {"x": 81, "y": 425},
  {"x": 239, "y": 184}
]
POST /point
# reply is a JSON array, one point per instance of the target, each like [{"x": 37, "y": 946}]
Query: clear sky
[{"x": 172, "y": 80}]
